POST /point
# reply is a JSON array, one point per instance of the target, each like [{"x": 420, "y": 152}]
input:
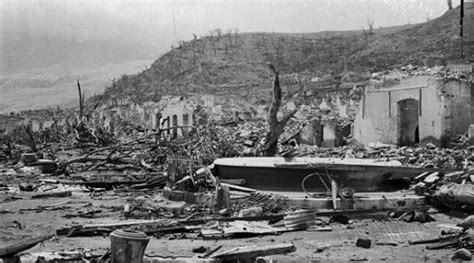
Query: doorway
[
  {"x": 408, "y": 126},
  {"x": 174, "y": 133}
]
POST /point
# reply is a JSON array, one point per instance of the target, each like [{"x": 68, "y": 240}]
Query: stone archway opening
[
  {"x": 185, "y": 130},
  {"x": 408, "y": 122}
]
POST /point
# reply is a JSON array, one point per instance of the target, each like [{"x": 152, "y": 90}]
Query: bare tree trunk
[
  {"x": 276, "y": 127},
  {"x": 81, "y": 101}
]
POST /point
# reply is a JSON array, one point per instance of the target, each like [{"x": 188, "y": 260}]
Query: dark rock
[
  {"x": 340, "y": 219},
  {"x": 364, "y": 242},
  {"x": 430, "y": 146},
  {"x": 462, "y": 254},
  {"x": 200, "y": 249},
  {"x": 28, "y": 158},
  {"x": 27, "y": 187}
]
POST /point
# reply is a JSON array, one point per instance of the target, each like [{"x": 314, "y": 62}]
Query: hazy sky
[{"x": 170, "y": 21}]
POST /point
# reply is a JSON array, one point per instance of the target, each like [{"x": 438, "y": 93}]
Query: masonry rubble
[{"x": 180, "y": 195}]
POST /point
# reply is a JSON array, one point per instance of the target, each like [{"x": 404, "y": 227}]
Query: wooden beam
[
  {"x": 19, "y": 246},
  {"x": 240, "y": 253}
]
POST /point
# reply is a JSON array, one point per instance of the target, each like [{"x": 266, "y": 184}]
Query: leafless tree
[
  {"x": 371, "y": 26},
  {"x": 81, "y": 101},
  {"x": 218, "y": 32},
  {"x": 276, "y": 127},
  {"x": 450, "y": 4}
]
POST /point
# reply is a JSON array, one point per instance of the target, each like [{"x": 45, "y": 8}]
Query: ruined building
[{"x": 416, "y": 107}]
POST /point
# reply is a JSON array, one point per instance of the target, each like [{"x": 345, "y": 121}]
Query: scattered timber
[{"x": 19, "y": 246}]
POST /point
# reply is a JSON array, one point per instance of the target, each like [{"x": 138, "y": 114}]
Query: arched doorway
[
  {"x": 185, "y": 130},
  {"x": 408, "y": 127}
]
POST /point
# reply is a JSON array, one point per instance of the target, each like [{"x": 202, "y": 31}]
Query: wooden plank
[
  {"x": 334, "y": 194},
  {"x": 52, "y": 194},
  {"x": 239, "y": 188},
  {"x": 241, "y": 228},
  {"x": 372, "y": 203},
  {"x": 66, "y": 230},
  {"x": 19, "y": 246},
  {"x": 233, "y": 181},
  {"x": 255, "y": 251}
]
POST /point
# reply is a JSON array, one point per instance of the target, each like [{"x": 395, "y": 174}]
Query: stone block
[{"x": 364, "y": 242}]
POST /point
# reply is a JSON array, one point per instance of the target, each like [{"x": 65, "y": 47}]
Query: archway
[
  {"x": 185, "y": 130},
  {"x": 408, "y": 128}
]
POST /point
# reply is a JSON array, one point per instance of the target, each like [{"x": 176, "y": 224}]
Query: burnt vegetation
[{"x": 227, "y": 57}]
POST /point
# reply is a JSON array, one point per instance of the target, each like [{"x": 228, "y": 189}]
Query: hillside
[{"x": 207, "y": 64}]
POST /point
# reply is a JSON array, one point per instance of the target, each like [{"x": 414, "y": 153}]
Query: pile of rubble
[
  {"x": 449, "y": 191},
  {"x": 429, "y": 156},
  {"x": 171, "y": 191},
  {"x": 410, "y": 70}
]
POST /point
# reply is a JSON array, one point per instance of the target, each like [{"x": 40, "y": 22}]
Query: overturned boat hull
[{"x": 287, "y": 174}]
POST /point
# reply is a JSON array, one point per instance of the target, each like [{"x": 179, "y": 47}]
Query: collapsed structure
[{"x": 410, "y": 106}]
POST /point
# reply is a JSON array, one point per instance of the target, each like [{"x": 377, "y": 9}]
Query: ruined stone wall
[
  {"x": 378, "y": 117},
  {"x": 443, "y": 110},
  {"x": 458, "y": 94},
  {"x": 37, "y": 120},
  {"x": 179, "y": 112}
]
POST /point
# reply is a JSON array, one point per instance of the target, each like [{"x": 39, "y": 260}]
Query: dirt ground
[{"x": 21, "y": 218}]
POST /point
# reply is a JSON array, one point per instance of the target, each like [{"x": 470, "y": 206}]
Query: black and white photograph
[{"x": 213, "y": 131}]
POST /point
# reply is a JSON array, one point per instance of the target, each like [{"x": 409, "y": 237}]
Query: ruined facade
[
  {"x": 415, "y": 109},
  {"x": 177, "y": 113}
]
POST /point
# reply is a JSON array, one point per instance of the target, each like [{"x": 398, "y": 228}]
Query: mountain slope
[{"x": 207, "y": 64}]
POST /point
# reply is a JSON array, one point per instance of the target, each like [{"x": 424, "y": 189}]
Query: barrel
[
  {"x": 299, "y": 219},
  {"x": 128, "y": 246}
]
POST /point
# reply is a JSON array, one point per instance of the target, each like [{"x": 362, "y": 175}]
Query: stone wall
[
  {"x": 37, "y": 120},
  {"x": 444, "y": 109}
]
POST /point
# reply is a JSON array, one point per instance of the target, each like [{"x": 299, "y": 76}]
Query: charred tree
[
  {"x": 276, "y": 126},
  {"x": 81, "y": 101}
]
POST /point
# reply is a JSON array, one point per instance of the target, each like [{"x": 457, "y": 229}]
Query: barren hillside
[{"x": 230, "y": 59}]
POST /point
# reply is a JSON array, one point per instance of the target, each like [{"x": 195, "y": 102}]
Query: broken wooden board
[
  {"x": 240, "y": 228},
  {"x": 285, "y": 259},
  {"x": 52, "y": 194},
  {"x": 368, "y": 201},
  {"x": 19, "y": 246},
  {"x": 250, "y": 252},
  {"x": 66, "y": 230}
]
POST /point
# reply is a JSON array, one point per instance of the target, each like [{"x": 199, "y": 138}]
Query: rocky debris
[
  {"x": 363, "y": 242},
  {"x": 445, "y": 158},
  {"x": 462, "y": 254},
  {"x": 468, "y": 222},
  {"x": 395, "y": 75},
  {"x": 168, "y": 184},
  {"x": 412, "y": 215},
  {"x": 450, "y": 190}
]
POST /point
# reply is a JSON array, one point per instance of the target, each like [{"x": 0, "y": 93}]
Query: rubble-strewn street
[{"x": 91, "y": 185}]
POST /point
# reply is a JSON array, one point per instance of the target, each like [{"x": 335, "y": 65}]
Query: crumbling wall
[
  {"x": 444, "y": 109},
  {"x": 458, "y": 97},
  {"x": 378, "y": 119},
  {"x": 179, "y": 112},
  {"x": 329, "y": 134}
]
